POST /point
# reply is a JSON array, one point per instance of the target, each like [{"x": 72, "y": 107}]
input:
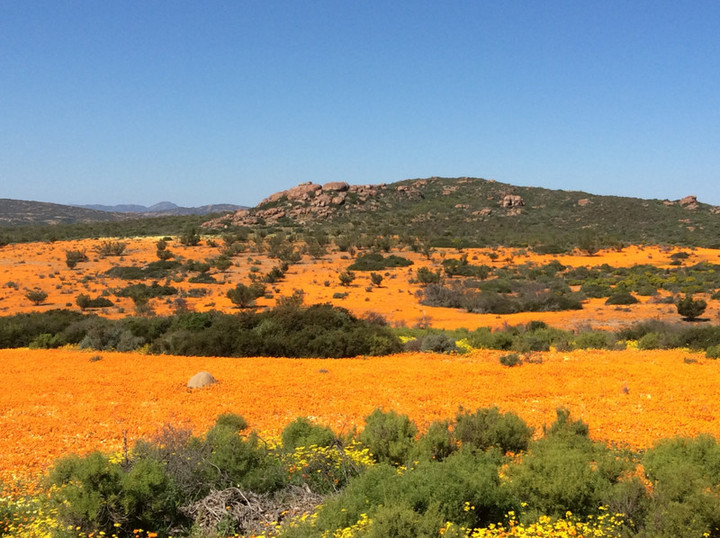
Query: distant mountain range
[
  {"x": 164, "y": 208},
  {"x": 24, "y": 212}
]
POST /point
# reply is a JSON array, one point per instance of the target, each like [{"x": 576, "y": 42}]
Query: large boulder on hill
[
  {"x": 200, "y": 380},
  {"x": 689, "y": 202},
  {"x": 302, "y": 191},
  {"x": 335, "y": 186},
  {"x": 512, "y": 200}
]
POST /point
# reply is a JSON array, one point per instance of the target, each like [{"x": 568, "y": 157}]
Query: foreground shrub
[
  {"x": 488, "y": 428},
  {"x": 302, "y": 432},
  {"x": 464, "y": 488},
  {"x": 565, "y": 471},
  {"x": 685, "y": 474},
  {"x": 93, "y": 494},
  {"x": 389, "y": 436}
]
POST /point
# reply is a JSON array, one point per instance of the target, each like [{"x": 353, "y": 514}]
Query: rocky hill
[{"x": 473, "y": 211}]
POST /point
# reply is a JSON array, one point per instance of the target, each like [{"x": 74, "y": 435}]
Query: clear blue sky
[{"x": 138, "y": 101}]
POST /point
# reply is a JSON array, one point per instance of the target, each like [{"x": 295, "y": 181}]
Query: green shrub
[
  {"x": 73, "y": 257},
  {"x": 464, "y": 489},
  {"x": 301, "y": 432},
  {"x": 244, "y": 296},
  {"x": 36, "y": 296},
  {"x": 111, "y": 247},
  {"x": 438, "y": 343},
  {"x": 47, "y": 341},
  {"x": 596, "y": 290},
  {"x": 378, "y": 262},
  {"x": 649, "y": 341},
  {"x": 346, "y": 278},
  {"x": 621, "y": 298},
  {"x": 96, "y": 495},
  {"x": 511, "y": 359},
  {"x": 389, "y": 436},
  {"x": 426, "y": 276},
  {"x": 558, "y": 475},
  {"x": 713, "y": 352},
  {"x": 691, "y": 309},
  {"x": 85, "y": 302},
  {"x": 564, "y": 427},
  {"x": 487, "y": 428},
  {"x": 594, "y": 340},
  {"x": 437, "y": 443},
  {"x": 685, "y": 473},
  {"x": 240, "y": 461}
]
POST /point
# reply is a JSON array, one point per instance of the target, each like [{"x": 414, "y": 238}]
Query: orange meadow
[
  {"x": 42, "y": 265},
  {"x": 56, "y": 402}
]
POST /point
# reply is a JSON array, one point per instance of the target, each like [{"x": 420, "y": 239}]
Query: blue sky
[{"x": 209, "y": 102}]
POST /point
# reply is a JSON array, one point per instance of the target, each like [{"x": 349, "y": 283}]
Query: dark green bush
[
  {"x": 594, "y": 340},
  {"x": 389, "y": 436},
  {"x": 426, "y": 276},
  {"x": 437, "y": 443},
  {"x": 685, "y": 474},
  {"x": 20, "y": 330},
  {"x": 378, "y": 262},
  {"x": 152, "y": 271},
  {"x": 85, "y": 302},
  {"x": 96, "y": 495},
  {"x": 713, "y": 352},
  {"x": 649, "y": 341},
  {"x": 488, "y": 428},
  {"x": 143, "y": 292},
  {"x": 691, "y": 309},
  {"x": 438, "y": 343},
  {"x": 621, "y": 298},
  {"x": 244, "y": 296},
  {"x": 302, "y": 432},
  {"x": 240, "y": 461},
  {"x": 511, "y": 359},
  {"x": 428, "y": 495}
]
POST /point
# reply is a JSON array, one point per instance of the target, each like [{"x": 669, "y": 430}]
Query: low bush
[
  {"x": 489, "y": 428},
  {"x": 389, "y": 436},
  {"x": 621, "y": 298},
  {"x": 691, "y": 309},
  {"x": 511, "y": 359},
  {"x": 594, "y": 340},
  {"x": 85, "y": 302},
  {"x": 378, "y": 262},
  {"x": 438, "y": 343},
  {"x": 302, "y": 432}
]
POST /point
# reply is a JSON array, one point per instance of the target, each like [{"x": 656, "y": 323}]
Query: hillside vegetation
[{"x": 478, "y": 212}]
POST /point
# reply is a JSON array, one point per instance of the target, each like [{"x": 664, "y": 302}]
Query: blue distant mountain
[{"x": 164, "y": 208}]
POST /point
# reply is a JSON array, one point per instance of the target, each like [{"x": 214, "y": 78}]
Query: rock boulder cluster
[{"x": 306, "y": 201}]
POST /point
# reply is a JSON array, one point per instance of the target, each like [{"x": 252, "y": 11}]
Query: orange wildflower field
[
  {"x": 56, "y": 402},
  {"x": 42, "y": 265}
]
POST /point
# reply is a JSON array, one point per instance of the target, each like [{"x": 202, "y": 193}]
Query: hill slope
[
  {"x": 22, "y": 212},
  {"x": 480, "y": 212}
]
